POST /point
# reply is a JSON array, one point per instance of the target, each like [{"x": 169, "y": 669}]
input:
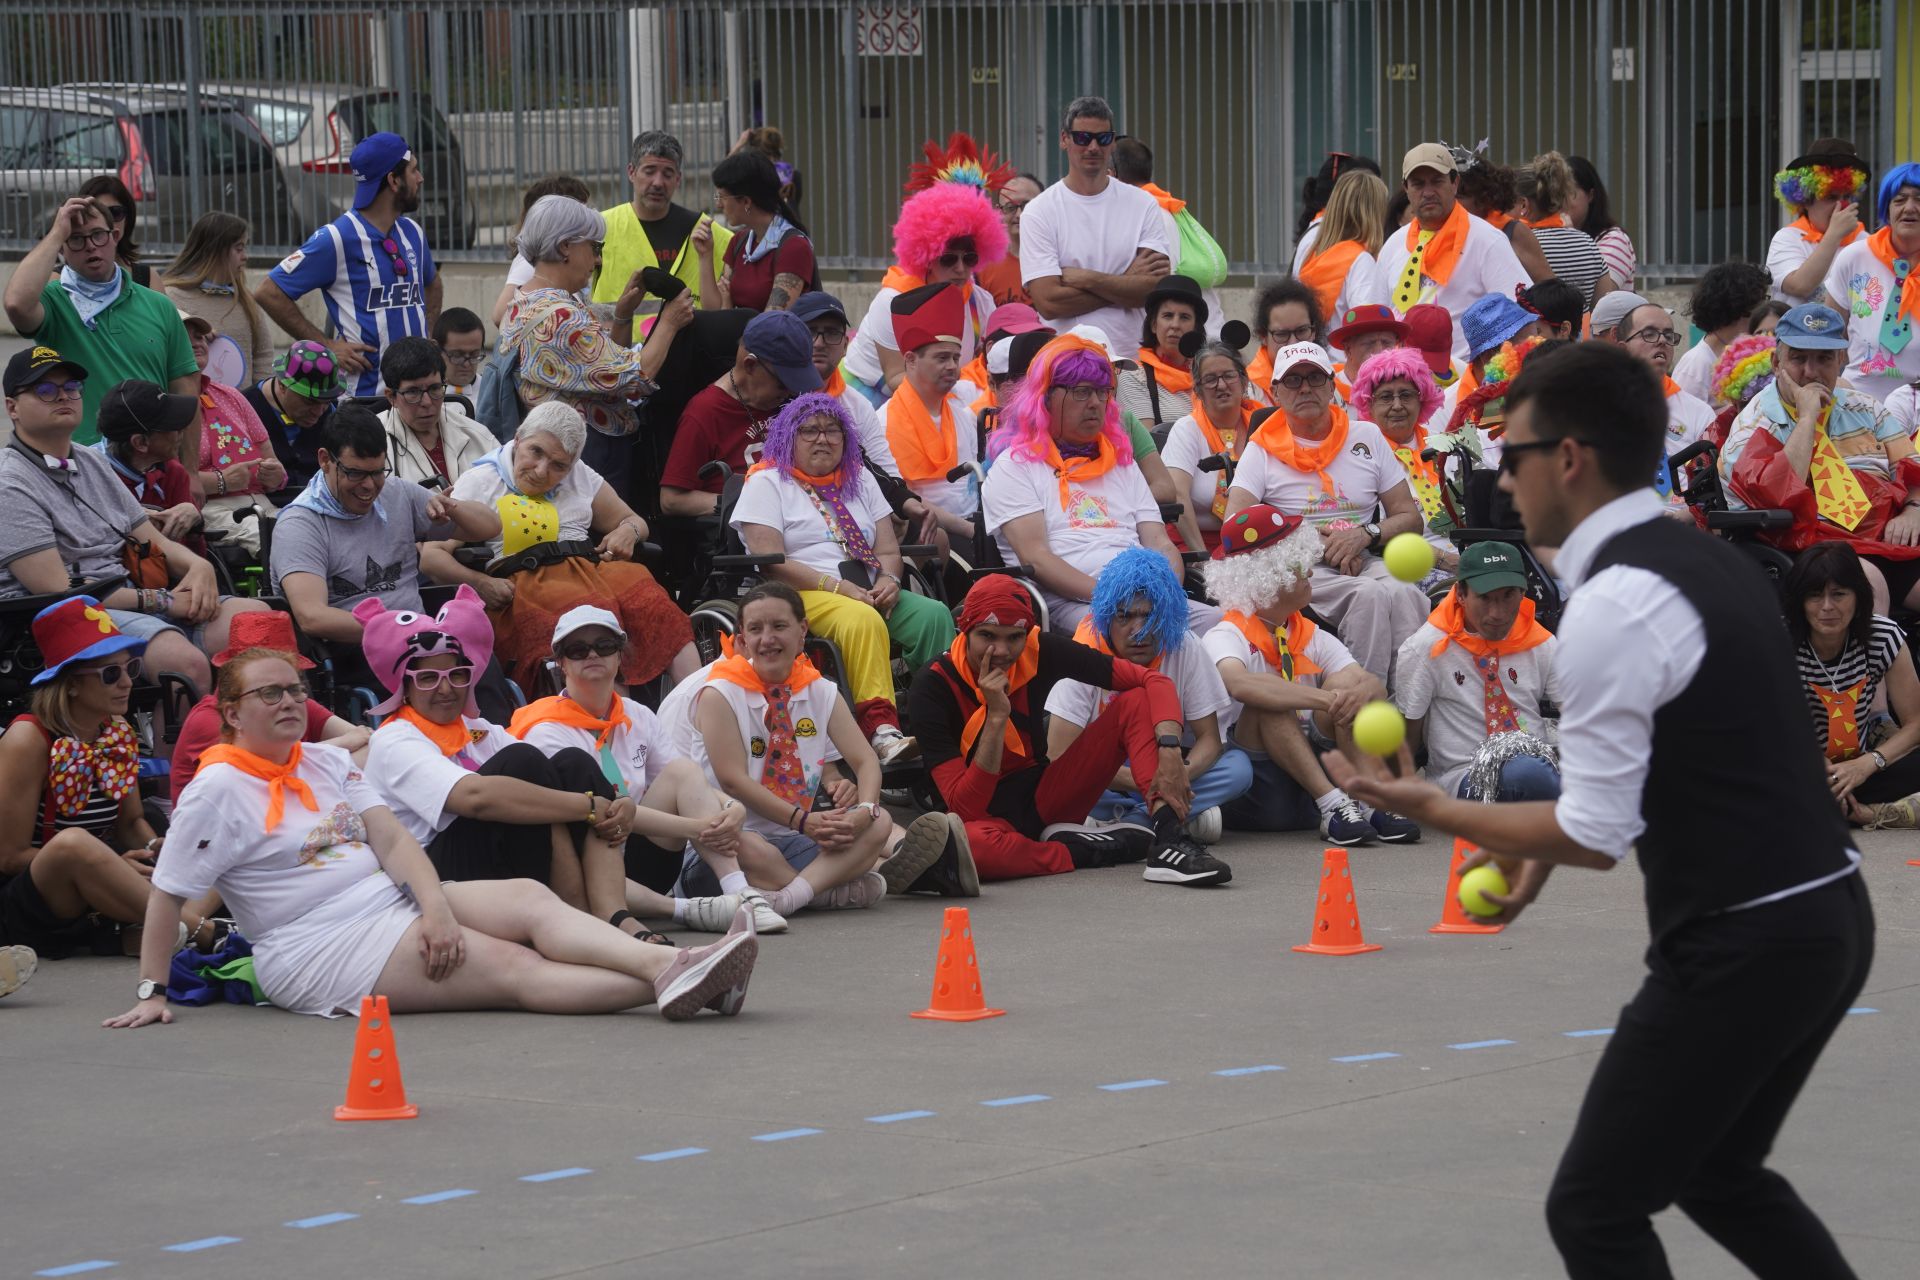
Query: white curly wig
[{"x": 1251, "y": 580}]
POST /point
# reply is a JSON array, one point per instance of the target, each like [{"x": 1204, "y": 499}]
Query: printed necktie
[
  {"x": 1501, "y": 717},
  {"x": 1407, "y": 292},
  {"x": 783, "y": 775},
  {"x": 1837, "y": 493},
  {"x": 1843, "y": 718}
]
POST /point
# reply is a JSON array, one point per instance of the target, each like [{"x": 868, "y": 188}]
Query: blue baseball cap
[
  {"x": 1491, "y": 321},
  {"x": 813, "y": 304},
  {"x": 781, "y": 341},
  {"x": 376, "y": 156},
  {"x": 1812, "y": 327}
]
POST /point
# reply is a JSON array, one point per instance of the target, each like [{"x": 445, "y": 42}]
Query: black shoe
[
  {"x": 1107, "y": 845},
  {"x": 952, "y": 874},
  {"x": 1184, "y": 860}
]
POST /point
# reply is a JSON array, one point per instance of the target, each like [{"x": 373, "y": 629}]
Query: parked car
[{"x": 52, "y": 140}]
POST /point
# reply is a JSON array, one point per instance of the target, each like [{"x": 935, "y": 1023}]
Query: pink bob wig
[
  {"x": 1398, "y": 362},
  {"x": 1026, "y": 425},
  {"x": 931, "y": 220}
]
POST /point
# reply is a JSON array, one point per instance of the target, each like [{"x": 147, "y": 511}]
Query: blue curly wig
[
  {"x": 1140, "y": 572},
  {"x": 1901, "y": 175}
]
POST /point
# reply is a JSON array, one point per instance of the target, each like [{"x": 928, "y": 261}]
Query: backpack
[
  {"x": 496, "y": 400},
  {"x": 1201, "y": 257}
]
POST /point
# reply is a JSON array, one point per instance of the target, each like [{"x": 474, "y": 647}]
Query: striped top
[
  {"x": 1575, "y": 257},
  {"x": 1854, "y": 664},
  {"x": 375, "y": 282},
  {"x": 98, "y": 817},
  {"x": 1616, "y": 250}
]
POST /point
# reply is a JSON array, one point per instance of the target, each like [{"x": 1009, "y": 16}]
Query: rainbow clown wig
[
  {"x": 1744, "y": 370},
  {"x": 1388, "y": 366},
  {"x": 1252, "y": 580},
  {"x": 1026, "y": 424},
  {"x": 1811, "y": 183},
  {"x": 1486, "y": 407},
  {"x": 1140, "y": 574},
  {"x": 932, "y": 220},
  {"x": 1901, "y": 175},
  {"x": 781, "y": 433}
]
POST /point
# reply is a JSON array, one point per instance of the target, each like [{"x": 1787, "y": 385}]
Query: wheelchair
[{"x": 1481, "y": 513}]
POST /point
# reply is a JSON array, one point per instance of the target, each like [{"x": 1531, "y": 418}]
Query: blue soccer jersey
[{"x": 376, "y": 283}]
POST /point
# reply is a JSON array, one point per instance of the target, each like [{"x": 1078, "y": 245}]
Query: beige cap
[{"x": 1428, "y": 155}]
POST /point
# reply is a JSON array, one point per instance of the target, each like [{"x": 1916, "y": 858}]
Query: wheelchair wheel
[{"x": 712, "y": 620}]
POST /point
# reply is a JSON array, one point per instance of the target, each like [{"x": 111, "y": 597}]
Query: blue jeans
[
  {"x": 612, "y": 458},
  {"x": 1226, "y": 779},
  {"x": 1523, "y": 778},
  {"x": 1275, "y": 802}
]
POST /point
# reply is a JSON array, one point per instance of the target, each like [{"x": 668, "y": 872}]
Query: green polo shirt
[{"x": 139, "y": 336}]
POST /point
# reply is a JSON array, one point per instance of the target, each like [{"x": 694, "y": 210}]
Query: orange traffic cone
[
  {"x": 374, "y": 1088},
  {"x": 1453, "y": 916},
  {"x": 956, "y": 975},
  {"x": 1336, "y": 917}
]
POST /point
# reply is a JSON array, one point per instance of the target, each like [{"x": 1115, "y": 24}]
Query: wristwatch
[
  {"x": 1373, "y": 536},
  {"x": 148, "y": 988},
  {"x": 1879, "y": 761},
  {"x": 1168, "y": 741}
]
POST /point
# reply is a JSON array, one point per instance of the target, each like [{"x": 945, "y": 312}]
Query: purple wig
[
  {"x": 1026, "y": 427},
  {"x": 785, "y": 426}
]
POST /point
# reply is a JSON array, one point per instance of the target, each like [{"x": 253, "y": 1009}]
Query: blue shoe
[
  {"x": 1347, "y": 825},
  {"x": 1393, "y": 828}
]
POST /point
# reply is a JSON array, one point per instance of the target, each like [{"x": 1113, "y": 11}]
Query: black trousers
[
  {"x": 1699, "y": 1076},
  {"x": 1901, "y": 778}
]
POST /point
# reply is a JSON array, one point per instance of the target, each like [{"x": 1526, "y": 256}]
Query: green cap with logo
[{"x": 1489, "y": 566}]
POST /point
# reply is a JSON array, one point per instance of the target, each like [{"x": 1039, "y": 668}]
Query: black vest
[{"x": 1736, "y": 801}]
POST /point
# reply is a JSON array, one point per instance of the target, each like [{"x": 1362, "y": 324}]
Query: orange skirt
[{"x": 523, "y": 631}]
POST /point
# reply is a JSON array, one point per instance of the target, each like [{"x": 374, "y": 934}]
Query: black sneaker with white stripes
[
  {"x": 1101, "y": 845},
  {"x": 1184, "y": 860}
]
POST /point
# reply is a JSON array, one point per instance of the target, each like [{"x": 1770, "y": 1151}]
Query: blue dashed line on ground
[
  {"x": 1248, "y": 1071},
  {"x": 1367, "y": 1057},
  {"x": 1017, "y": 1100},
  {"x": 195, "y": 1246},
  {"x": 898, "y": 1116},
  {"x": 1125, "y": 1085},
  {"x": 555, "y": 1175},
  {"x": 440, "y": 1197},
  {"x": 1579, "y": 1035},
  {"x": 1480, "y": 1044},
  {"x": 783, "y": 1134},
  {"x": 324, "y": 1220},
  {"x": 76, "y": 1268},
  {"x": 1862, "y": 1009},
  {"x": 678, "y": 1153}
]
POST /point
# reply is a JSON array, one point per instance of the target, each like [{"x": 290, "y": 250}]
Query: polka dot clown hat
[
  {"x": 309, "y": 369},
  {"x": 1254, "y": 528}
]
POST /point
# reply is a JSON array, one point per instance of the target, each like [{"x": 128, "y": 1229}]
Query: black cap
[
  {"x": 27, "y": 366},
  {"x": 1025, "y": 347},
  {"x": 135, "y": 408}
]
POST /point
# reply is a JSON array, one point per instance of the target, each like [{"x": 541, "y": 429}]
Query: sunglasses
[
  {"x": 432, "y": 678},
  {"x": 577, "y": 650},
  {"x": 392, "y": 249},
  {"x": 272, "y": 695},
  {"x": 1295, "y": 381},
  {"x": 952, "y": 260},
  {"x": 118, "y": 212},
  {"x": 1511, "y": 451},
  {"x": 111, "y": 673},
  {"x": 1087, "y": 138}
]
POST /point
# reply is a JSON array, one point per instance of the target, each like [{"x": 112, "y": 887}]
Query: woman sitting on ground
[
  {"x": 73, "y": 841},
  {"x": 266, "y": 807},
  {"x": 617, "y": 748},
  {"x": 553, "y": 507},
  {"x": 1217, "y": 425},
  {"x": 764, "y": 724},
  {"x": 810, "y": 499},
  {"x": 1844, "y": 650}
]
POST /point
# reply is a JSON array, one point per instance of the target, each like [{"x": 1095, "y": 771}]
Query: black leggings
[{"x": 1901, "y": 778}]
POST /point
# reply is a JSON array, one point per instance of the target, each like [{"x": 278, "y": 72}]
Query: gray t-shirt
[
  {"x": 364, "y": 557},
  {"x": 84, "y": 513}
]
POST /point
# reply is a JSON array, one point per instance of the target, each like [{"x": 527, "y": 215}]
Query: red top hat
[
  {"x": 262, "y": 629},
  {"x": 1254, "y": 527},
  {"x": 75, "y": 630},
  {"x": 931, "y": 313}
]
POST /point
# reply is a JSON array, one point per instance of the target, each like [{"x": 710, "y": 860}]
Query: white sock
[
  {"x": 680, "y": 909},
  {"x": 733, "y": 882},
  {"x": 1331, "y": 801},
  {"x": 797, "y": 894}
]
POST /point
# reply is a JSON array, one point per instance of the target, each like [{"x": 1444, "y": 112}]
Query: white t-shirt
[
  {"x": 1688, "y": 418},
  {"x": 1487, "y": 265},
  {"x": 639, "y": 749},
  {"x": 1202, "y": 692},
  {"x": 873, "y": 435},
  {"x": 955, "y": 498},
  {"x": 1361, "y": 472},
  {"x": 1694, "y": 372},
  {"x": 812, "y": 711},
  {"x": 309, "y": 895},
  {"x": 876, "y": 331},
  {"x": 1305, "y": 247},
  {"x": 566, "y": 512},
  {"x": 772, "y": 499},
  {"x": 1060, "y": 228},
  {"x": 1101, "y": 519},
  {"x": 1186, "y": 446},
  {"x": 1785, "y": 255},
  {"x": 414, "y": 779},
  {"x": 1859, "y": 285},
  {"x": 1450, "y": 694},
  {"x": 1903, "y": 406},
  {"x": 1225, "y": 641}
]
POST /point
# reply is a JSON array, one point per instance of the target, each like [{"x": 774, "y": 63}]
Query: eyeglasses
[
  {"x": 952, "y": 260},
  {"x": 392, "y": 249},
  {"x": 1087, "y": 138},
  {"x": 272, "y": 695},
  {"x": 50, "y": 392},
  {"x": 88, "y": 239},
  {"x": 111, "y": 674},
  {"x": 1012, "y": 206},
  {"x": 830, "y": 335},
  {"x": 1396, "y": 397},
  {"x": 1520, "y": 450},
  {"x": 420, "y": 395},
  {"x": 473, "y": 358},
  {"x": 354, "y": 475},
  {"x": 577, "y": 650},
  {"x": 1295, "y": 381},
  {"x": 1081, "y": 393},
  {"x": 1285, "y": 336},
  {"x": 832, "y": 431},
  {"x": 432, "y": 678},
  {"x": 598, "y": 246},
  {"x": 1217, "y": 381},
  {"x": 1651, "y": 334}
]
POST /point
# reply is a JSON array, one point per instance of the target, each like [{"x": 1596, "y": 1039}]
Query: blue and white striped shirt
[{"x": 368, "y": 298}]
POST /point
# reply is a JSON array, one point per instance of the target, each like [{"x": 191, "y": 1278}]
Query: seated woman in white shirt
[
  {"x": 341, "y": 903},
  {"x": 610, "y": 744},
  {"x": 1396, "y": 392},
  {"x": 810, "y": 499},
  {"x": 1219, "y": 424}
]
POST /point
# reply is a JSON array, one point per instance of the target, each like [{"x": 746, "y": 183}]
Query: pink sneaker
[
  {"x": 698, "y": 974},
  {"x": 728, "y": 1002},
  {"x": 854, "y": 894}
]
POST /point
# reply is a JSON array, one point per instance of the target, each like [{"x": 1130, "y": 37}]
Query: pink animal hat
[{"x": 394, "y": 639}]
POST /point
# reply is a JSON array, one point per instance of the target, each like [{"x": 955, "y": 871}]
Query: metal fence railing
[{"x": 250, "y": 106}]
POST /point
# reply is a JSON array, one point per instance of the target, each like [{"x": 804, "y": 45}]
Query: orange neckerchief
[
  {"x": 1325, "y": 271},
  {"x": 452, "y": 739},
  {"x": 1551, "y": 220},
  {"x": 563, "y": 710},
  {"x": 1167, "y": 202},
  {"x": 1881, "y": 243},
  {"x": 1443, "y": 251},
  {"x": 1260, "y": 369},
  {"x": 1178, "y": 381},
  {"x": 1265, "y": 641},
  {"x": 976, "y": 371},
  {"x": 1498, "y": 220},
  {"x": 1217, "y": 443},
  {"x": 1278, "y": 439},
  {"x": 1451, "y": 619},
  {"x": 280, "y": 778},
  {"x": 829, "y": 481},
  {"x": 1811, "y": 234},
  {"x": 985, "y": 400},
  {"x": 1086, "y": 635},
  {"x": 898, "y": 279},
  {"x": 1671, "y": 387},
  {"x": 1024, "y": 669},
  {"x": 1067, "y": 470},
  {"x": 925, "y": 450},
  {"x": 835, "y": 385},
  {"x": 735, "y": 669}
]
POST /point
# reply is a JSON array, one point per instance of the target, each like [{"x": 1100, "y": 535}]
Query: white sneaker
[
  {"x": 1206, "y": 826},
  {"x": 16, "y": 966},
  {"x": 893, "y": 746},
  {"x": 765, "y": 918},
  {"x": 853, "y": 895},
  {"x": 714, "y": 915}
]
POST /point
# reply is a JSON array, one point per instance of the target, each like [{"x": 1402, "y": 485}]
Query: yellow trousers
[{"x": 923, "y": 627}]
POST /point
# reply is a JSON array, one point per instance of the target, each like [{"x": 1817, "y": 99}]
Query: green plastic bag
[{"x": 1201, "y": 258}]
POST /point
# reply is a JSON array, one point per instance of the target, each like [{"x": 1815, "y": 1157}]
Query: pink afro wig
[
  {"x": 933, "y": 219},
  {"x": 1386, "y": 366},
  {"x": 1026, "y": 425}
]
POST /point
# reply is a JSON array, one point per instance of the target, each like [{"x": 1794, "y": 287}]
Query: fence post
[
  {"x": 1337, "y": 88},
  {"x": 1603, "y": 86},
  {"x": 849, "y": 134},
  {"x": 192, "y": 56}
]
